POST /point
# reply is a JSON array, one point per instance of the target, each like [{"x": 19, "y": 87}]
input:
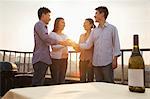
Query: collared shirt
[
  {"x": 42, "y": 42},
  {"x": 106, "y": 44},
  {"x": 59, "y": 51}
]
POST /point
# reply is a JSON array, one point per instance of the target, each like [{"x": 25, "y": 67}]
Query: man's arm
[
  {"x": 115, "y": 62},
  {"x": 116, "y": 43},
  {"x": 57, "y": 47},
  {"x": 116, "y": 48},
  {"x": 42, "y": 33}
]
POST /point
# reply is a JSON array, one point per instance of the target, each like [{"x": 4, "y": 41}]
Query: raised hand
[
  {"x": 67, "y": 42},
  {"x": 76, "y": 46},
  {"x": 62, "y": 43}
]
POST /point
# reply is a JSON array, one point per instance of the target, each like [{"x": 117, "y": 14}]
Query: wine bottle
[{"x": 136, "y": 68}]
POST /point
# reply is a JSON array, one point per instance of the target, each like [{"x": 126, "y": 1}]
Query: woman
[
  {"x": 85, "y": 64},
  {"x": 59, "y": 53}
]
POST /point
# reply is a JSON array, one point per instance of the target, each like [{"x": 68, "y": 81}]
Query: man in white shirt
[{"x": 106, "y": 47}]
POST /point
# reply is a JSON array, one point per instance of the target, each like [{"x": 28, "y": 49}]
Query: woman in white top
[{"x": 59, "y": 53}]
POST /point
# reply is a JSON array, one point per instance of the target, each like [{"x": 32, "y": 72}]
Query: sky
[{"x": 17, "y": 19}]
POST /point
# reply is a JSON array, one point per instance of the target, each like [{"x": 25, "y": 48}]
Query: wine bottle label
[{"x": 136, "y": 77}]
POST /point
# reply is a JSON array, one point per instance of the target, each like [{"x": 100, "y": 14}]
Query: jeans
[
  {"x": 40, "y": 69},
  {"x": 104, "y": 73},
  {"x": 86, "y": 71},
  {"x": 58, "y": 70}
]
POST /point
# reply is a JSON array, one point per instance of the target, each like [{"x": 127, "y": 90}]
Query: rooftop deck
[{"x": 25, "y": 68}]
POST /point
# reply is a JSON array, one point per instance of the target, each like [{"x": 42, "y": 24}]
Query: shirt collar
[
  {"x": 43, "y": 23},
  {"x": 105, "y": 24}
]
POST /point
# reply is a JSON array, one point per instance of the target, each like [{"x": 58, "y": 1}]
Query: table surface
[{"x": 94, "y": 90}]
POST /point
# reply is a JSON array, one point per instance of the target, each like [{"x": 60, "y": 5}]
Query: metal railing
[
  {"x": 22, "y": 59},
  {"x": 24, "y": 62},
  {"x": 122, "y": 60}
]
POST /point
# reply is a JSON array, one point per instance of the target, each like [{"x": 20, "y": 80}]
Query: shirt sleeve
[
  {"x": 42, "y": 33},
  {"x": 116, "y": 43},
  {"x": 65, "y": 37},
  {"x": 89, "y": 42},
  {"x": 58, "y": 46}
]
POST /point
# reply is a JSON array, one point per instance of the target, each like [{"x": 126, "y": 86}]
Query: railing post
[
  {"x": 24, "y": 62},
  {"x": 29, "y": 63},
  {"x": 10, "y": 57},
  {"x": 122, "y": 65},
  {"x": 76, "y": 64},
  {"x": 70, "y": 64},
  {"x": 4, "y": 56},
  {"x": 15, "y": 56},
  {"x": 19, "y": 62},
  {"x": 141, "y": 53}
]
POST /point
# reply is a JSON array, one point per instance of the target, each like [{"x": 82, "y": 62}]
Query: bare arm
[{"x": 89, "y": 42}]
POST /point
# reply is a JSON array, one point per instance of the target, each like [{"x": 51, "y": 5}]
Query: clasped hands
[{"x": 69, "y": 42}]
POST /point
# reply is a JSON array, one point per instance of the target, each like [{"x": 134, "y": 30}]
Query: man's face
[
  {"x": 46, "y": 18},
  {"x": 99, "y": 16}
]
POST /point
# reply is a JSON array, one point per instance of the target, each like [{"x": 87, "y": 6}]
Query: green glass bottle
[{"x": 136, "y": 68}]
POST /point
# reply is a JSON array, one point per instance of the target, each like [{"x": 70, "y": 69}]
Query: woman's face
[
  {"x": 61, "y": 24},
  {"x": 87, "y": 25}
]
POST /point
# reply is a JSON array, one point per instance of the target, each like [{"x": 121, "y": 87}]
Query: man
[
  {"x": 41, "y": 54},
  {"x": 106, "y": 46}
]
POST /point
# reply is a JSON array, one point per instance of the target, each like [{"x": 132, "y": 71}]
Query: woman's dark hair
[
  {"x": 91, "y": 22},
  {"x": 104, "y": 10},
  {"x": 56, "y": 23},
  {"x": 43, "y": 10}
]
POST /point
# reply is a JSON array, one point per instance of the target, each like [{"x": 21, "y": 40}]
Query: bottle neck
[
  {"x": 136, "y": 44},
  {"x": 136, "y": 49}
]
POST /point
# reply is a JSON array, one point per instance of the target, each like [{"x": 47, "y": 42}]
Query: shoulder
[
  {"x": 95, "y": 29},
  {"x": 65, "y": 35},
  {"x": 82, "y": 35},
  {"x": 52, "y": 34},
  {"x": 38, "y": 23},
  {"x": 111, "y": 26}
]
